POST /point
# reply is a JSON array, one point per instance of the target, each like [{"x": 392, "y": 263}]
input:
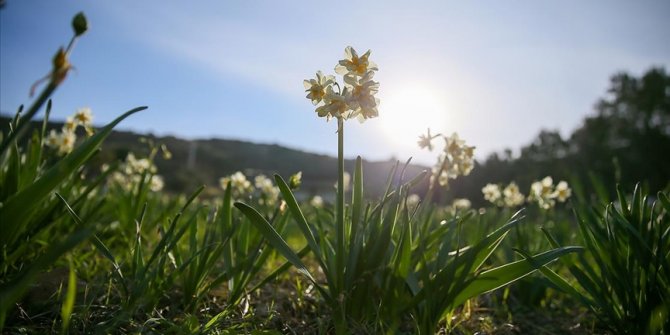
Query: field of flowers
[{"x": 88, "y": 251}]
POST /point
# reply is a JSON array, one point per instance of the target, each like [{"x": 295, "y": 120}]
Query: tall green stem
[
  {"x": 339, "y": 257},
  {"x": 340, "y": 202}
]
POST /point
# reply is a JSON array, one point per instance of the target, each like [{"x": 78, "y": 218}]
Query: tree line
[{"x": 624, "y": 141}]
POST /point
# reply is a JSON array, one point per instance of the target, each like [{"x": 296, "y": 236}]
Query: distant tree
[
  {"x": 630, "y": 132},
  {"x": 549, "y": 145},
  {"x": 627, "y": 140}
]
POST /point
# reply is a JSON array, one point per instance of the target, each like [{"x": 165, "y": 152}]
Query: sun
[{"x": 407, "y": 111}]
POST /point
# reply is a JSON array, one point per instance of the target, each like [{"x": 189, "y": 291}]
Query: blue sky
[{"x": 496, "y": 72}]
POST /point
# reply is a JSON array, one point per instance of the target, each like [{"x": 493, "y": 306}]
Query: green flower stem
[
  {"x": 17, "y": 133},
  {"x": 340, "y": 325},
  {"x": 340, "y": 203}
]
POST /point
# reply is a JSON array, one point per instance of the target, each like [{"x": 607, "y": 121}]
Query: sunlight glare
[{"x": 408, "y": 111}]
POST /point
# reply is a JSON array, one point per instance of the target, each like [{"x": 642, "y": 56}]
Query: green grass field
[{"x": 87, "y": 251}]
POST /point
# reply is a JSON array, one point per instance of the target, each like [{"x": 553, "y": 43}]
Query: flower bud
[
  {"x": 79, "y": 24},
  {"x": 295, "y": 181}
]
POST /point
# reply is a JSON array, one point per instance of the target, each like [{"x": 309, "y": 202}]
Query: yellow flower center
[{"x": 317, "y": 91}]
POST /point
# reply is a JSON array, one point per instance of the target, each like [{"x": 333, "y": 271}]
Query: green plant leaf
[
  {"x": 495, "y": 278},
  {"x": 277, "y": 241},
  {"x": 15, "y": 213},
  {"x": 68, "y": 303},
  {"x": 14, "y": 290},
  {"x": 294, "y": 208}
]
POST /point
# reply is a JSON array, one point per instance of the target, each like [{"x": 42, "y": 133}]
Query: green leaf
[
  {"x": 16, "y": 212},
  {"x": 404, "y": 251},
  {"x": 275, "y": 240},
  {"x": 495, "y": 278},
  {"x": 622, "y": 200},
  {"x": 664, "y": 200},
  {"x": 14, "y": 290},
  {"x": 559, "y": 281},
  {"x": 475, "y": 256},
  {"x": 357, "y": 198},
  {"x": 68, "y": 303},
  {"x": 294, "y": 208}
]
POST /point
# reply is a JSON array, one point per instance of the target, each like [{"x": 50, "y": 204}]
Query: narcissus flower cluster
[
  {"x": 268, "y": 191},
  {"x": 456, "y": 159},
  {"x": 240, "y": 186},
  {"x": 545, "y": 194},
  {"x": 459, "y": 205},
  {"x": 542, "y": 192},
  {"x": 355, "y": 98},
  {"x": 510, "y": 196},
  {"x": 63, "y": 141},
  {"x": 492, "y": 193},
  {"x": 133, "y": 169},
  {"x": 262, "y": 188}
]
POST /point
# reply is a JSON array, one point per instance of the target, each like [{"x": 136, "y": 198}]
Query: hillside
[{"x": 204, "y": 161}]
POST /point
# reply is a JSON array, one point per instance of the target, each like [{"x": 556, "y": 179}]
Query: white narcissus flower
[
  {"x": 547, "y": 184},
  {"x": 467, "y": 165},
  {"x": 138, "y": 166},
  {"x": 66, "y": 142},
  {"x": 335, "y": 104},
  {"x": 84, "y": 116},
  {"x": 120, "y": 179},
  {"x": 425, "y": 141},
  {"x": 542, "y": 192},
  {"x": 70, "y": 124},
  {"x": 461, "y": 204},
  {"x": 362, "y": 100},
  {"x": 53, "y": 139},
  {"x": 352, "y": 64},
  {"x": 156, "y": 184},
  {"x": 269, "y": 192},
  {"x": 512, "y": 195},
  {"x": 347, "y": 180},
  {"x": 356, "y": 98},
  {"x": 453, "y": 145},
  {"x": 562, "y": 191},
  {"x": 239, "y": 181},
  {"x": 536, "y": 189},
  {"x": 457, "y": 159},
  {"x": 239, "y": 184},
  {"x": 262, "y": 182},
  {"x": 492, "y": 193},
  {"x": 317, "y": 201},
  {"x": 316, "y": 88}
]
